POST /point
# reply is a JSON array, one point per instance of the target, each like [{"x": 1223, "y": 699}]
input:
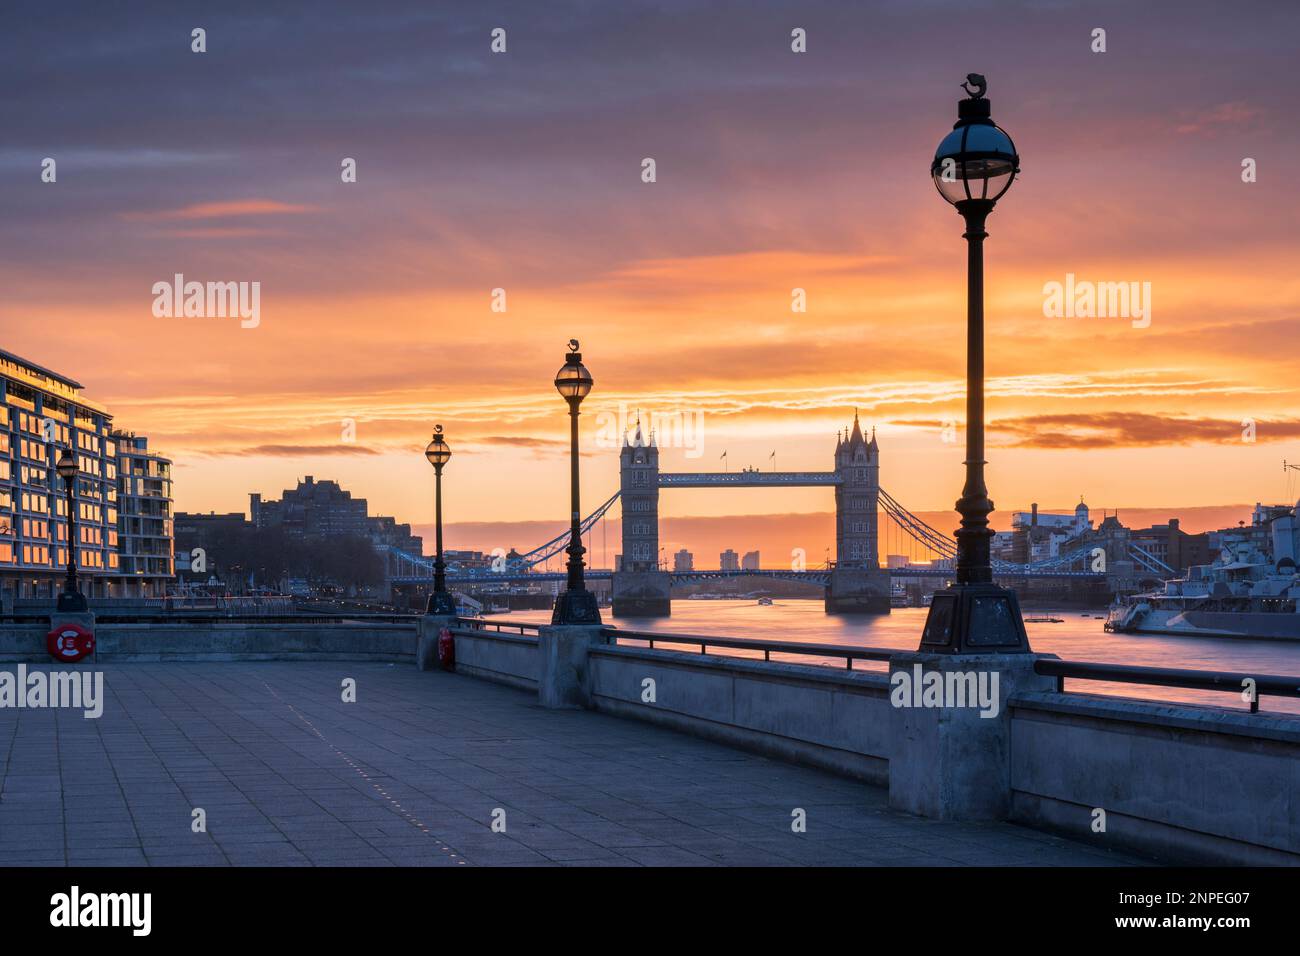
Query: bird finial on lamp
[{"x": 976, "y": 80}]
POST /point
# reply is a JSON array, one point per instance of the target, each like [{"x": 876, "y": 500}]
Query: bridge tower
[
  {"x": 641, "y": 588},
  {"x": 857, "y": 584},
  {"x": 638, "y": 467},
  {"x": 857, "y": 465}
]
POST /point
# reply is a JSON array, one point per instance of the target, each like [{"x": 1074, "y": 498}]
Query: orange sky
[{"x": 773, "y": 174}]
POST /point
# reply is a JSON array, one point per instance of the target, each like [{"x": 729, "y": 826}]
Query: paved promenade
[{"x": 412, "y": 773}]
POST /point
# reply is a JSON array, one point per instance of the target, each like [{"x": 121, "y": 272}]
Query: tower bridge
[
  {"x": 856, "y": 583},
  {"x": 853, "y": 582}
]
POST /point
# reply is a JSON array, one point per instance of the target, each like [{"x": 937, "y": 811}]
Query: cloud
[
  {"x": 539, "y": 447},
  {"x": 115, "y": 159},
  {"x": 303, "y": 451},
  {"x": 1133, "y": 429},
  {"x": 521, "y": 441},
  {"x": 220, "y": 210},
  {"x": 219, "y": 233},
  {"x": 1233, "y": 115},
  {"x": 523, "y": 172}
]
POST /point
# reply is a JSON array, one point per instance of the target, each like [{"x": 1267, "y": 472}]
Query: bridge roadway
[
  {"x": 411, "y": 774},
  {"x": 747, "y": 479}
]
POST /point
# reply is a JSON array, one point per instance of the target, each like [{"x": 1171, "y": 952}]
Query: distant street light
[
  {"x": 575, "y": 605},
  {"x": 439, "y": 453},
  {"x": 973, "y": 168},
  {"x": 71, "y": 600}
]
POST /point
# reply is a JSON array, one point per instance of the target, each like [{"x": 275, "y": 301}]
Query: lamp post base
[
  {"x": 72, "y": 602},
  {"x": 975, "y": 619},
  {"x": 441, "y": 603},
  {"x": 576, "y": 607}
]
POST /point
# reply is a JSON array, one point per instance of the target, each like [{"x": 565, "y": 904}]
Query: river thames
[{"x": 1077, "y": 637}]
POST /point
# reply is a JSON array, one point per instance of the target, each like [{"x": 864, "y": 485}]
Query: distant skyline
[
  {"x": 522, "y": 171},
  {"x": 777, "y": 535}
]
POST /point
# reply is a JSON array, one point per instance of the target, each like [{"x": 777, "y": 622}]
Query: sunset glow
[{"x": 775, "y": 173}]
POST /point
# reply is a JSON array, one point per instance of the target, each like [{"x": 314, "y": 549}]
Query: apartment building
[
  {"x": 145, "y": 530},
  {"x": 43, "y": 412}
]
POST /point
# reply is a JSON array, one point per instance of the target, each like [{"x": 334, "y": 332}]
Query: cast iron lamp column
[
  {"x": 439, "y": 453},
  {"x": 575, "y": 605},
  {"x": 973, "y": 167},
  {"x": 71, "y": 600}
]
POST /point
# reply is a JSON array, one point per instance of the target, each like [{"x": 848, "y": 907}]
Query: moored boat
[{"x": 1237, "y": 599}]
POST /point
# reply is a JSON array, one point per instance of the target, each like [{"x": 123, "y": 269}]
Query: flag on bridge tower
[{"x": 723, "y": 459}]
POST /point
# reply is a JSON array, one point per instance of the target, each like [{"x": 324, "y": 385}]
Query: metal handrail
[
  {"x": 850, "y": 654},
  {"x": 1225, "y": 681},
  {"x": 1274, "y": 685},
  {"x": 479, "y": 624}
]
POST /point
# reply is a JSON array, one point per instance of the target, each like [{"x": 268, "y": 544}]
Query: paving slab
[{"x": 430, "y": 769}]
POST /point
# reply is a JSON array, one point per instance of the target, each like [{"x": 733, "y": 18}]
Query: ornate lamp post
[
  {"x": 575, "y": 605},
  {"x": 439, "y": 453},
  {"x": 973, "y": 167},
  {"x": 71, "y": 600}
]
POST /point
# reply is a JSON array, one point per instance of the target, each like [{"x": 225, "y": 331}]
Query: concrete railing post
[
  {"x": 950, "y": 755},
  {"x": 426, "y": 646},
  {"x": 563, "y": 679}
]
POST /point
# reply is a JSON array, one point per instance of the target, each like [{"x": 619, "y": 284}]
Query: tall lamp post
[
  {"x": 973, "y": 167},
  {"x": 575, "y": 605},
  {"x": 439, "y": 453},
  {"x": 71, "y": 600}
]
